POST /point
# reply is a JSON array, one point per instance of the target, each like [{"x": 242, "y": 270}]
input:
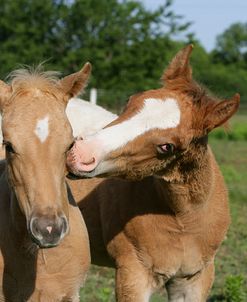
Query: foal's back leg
[{"x": 195, "y": 289}]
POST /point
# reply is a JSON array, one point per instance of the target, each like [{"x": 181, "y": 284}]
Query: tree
[
  {"x": 28, "y": 32},
  {"x": 231, "y": 47},
  {"x": 127, "y": 44}
]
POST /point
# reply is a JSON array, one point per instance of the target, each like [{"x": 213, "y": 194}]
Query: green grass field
[{"x": 231, "y": 154}]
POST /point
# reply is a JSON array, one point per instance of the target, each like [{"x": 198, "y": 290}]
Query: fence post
[{"x": 93, "y": 96}]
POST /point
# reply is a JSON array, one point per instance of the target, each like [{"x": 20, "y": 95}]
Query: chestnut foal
[
  {"x": 37, "y": 210},
  {"x": 166, "y": 228}
]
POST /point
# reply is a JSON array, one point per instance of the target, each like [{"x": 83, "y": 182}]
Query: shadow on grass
[{"x": 216, "y": 298}]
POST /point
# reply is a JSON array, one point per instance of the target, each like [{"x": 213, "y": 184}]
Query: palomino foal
[
  {"x": 37, "y": 210},
  {"x": 166, "y": 228}
]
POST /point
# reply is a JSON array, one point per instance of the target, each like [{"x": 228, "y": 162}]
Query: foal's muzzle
[{"x": 48, "y": 231}]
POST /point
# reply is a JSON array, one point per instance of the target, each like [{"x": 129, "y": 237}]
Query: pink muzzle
[{"x": 81, "y": 157}]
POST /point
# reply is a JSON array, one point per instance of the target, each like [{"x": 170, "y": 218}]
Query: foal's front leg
[
  {"x": 57, "y": 296},
  {"x": 195, "y": 289},
  {"x": 132, "y": 282}
]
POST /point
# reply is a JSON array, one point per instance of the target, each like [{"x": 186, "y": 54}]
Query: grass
[
  {"x": 237, "y": 130},
  {"x": 232, "y": 256},
  {"x": 231, "y": 260}
]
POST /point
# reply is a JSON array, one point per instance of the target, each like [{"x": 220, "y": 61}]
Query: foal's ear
[
  {"x": 5, "y": 93},
  {"x": 179, "y": 66},
  {"x": 221, "y": 113},
  {"x": 74, "y": 83}
]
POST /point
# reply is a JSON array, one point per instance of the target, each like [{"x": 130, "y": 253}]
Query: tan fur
[
  {"x": 165, "y": 229},
  {"x": 2, "y": 152},
  {"x": 71, "y": 85},
  {"x": 32, "y": 182}
]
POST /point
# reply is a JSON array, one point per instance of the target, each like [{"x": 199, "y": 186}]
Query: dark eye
[
  {"x": 8, "y": 147},
  {"x": 166, "y": 148}
]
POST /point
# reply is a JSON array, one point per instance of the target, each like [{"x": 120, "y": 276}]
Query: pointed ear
[
  {"x": 5, "y": 93},
  {"x": 74, "y": 83},
  {"x": 179, "y": 66},
  {"x": 221, "y": 113}
]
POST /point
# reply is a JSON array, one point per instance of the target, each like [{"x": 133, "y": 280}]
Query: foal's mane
[
  {"x": 26, "y": 79},
  {"x": 203, "y": 100}
]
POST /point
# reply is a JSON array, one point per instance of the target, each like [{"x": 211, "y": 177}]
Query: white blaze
[
  {"x": 155, "y": 114},
  {"x": 42, "y": 129}
]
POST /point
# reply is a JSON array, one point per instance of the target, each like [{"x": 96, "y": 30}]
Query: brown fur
[
  {"x": 32, "y": 185},
  {"x": 2, "y": 152},
  {"x": 165, "y": 229}
]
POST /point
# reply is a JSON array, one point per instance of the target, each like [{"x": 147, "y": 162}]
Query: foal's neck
[{"x": 188, "y": 187}]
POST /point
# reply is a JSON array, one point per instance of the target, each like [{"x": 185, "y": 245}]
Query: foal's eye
[
  {"x": 8, "y": 147},
  {"x": 166, "y": 148}
]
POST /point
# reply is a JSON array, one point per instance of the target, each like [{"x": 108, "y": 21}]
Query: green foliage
[
  {"x": 128, "y": 45},
  {"x": 124, "y": 41},
  {"x": 232, "y": 45},
  {"x": 234, "y": 289},
  {"x": 227, "y": 72},
  {"x": 28, "y": 32},
  {"x": 236, "y": 132}
]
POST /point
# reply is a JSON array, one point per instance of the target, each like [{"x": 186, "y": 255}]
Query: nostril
[
  {"x": 89, "y": 162},
  {"x": 64, "y": 225},
  {"x": 34, "y": 229}
]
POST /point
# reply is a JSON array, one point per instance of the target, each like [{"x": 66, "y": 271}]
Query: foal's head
[
  {"x": 157, "y": 128},
  {"x": 37, "y": 135}
]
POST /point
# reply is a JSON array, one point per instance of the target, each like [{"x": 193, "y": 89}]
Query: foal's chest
[{"x": 167, "y": 248}]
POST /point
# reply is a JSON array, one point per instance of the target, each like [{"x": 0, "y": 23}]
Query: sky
[{"x": 210, "y": 17}]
